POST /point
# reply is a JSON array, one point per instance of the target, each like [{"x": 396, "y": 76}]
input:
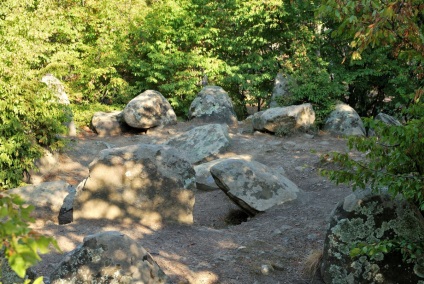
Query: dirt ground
[{"x": 271, "y": 247}]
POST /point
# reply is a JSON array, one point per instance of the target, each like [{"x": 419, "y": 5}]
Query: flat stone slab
[
  {"x": 252, "y": 185},
  {"x": 281, "y": 118},
  {"x": 202, "y": 143},
  {"x": 204, "y": 179}
]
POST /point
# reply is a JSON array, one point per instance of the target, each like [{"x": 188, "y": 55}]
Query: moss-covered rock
[{"x": 371, "y": 218}]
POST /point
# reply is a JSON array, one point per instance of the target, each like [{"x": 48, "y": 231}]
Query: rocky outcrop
[
  {"x": 344, "y": 120},
  {"x": 48, "y": 199},
  {"x": 204, "y": 179},
  {"x": 149, "y": 184},
  {"x": 252, "y": 185},
  {"x": 369, "y": 218},
  {"x": 213, "y": 105},
  {"x": 281, "y": 119},
  {"x": 109, "y": 123},
  {"x": 108, "y": 257},
  {"x": 59, "y": 90},
  {"x": 149, "y": 109},
  {"x": 202, "y": 143}
]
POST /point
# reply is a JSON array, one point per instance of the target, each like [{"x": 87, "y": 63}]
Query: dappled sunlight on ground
[{"x": 214, "y": 250}]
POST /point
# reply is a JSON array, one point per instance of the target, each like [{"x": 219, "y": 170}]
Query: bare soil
[{"x": 223, "y": 245}]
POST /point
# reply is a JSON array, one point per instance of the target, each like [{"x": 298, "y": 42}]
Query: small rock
[
  {"x": 299, "y": 169},
  {"x": 266, "y": 269}
]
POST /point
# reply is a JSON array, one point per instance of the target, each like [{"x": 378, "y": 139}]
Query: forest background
[{"x": 366, "y": 53}]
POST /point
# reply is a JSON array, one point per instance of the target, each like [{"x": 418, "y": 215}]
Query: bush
[
  {"x": 30, "y": 117},
  {"x": 393, "y": 160}
]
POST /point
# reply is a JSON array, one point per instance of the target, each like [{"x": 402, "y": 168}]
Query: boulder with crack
[
  {"x": 280, "y": 90},
  {"x": 252, "y": 185}
]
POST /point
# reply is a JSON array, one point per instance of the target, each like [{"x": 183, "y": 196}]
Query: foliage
[
  {"x": 167, "y": 53},
  {"x": 30, "y": 118},
  {"x": 310, "y": 82},
  {"x": 379, "y": 23},
  {"x": 21, "y": 245},
  {"x": 393, "y": 158},
  {"x": 305, "y": 64},
  {"x": 250, "y": 45},
  {"x": 234, "y": 43},
  {"x": 411, "y": 251}
]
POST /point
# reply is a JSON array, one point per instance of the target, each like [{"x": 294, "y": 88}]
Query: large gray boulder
[
  {"x": 344, "y": 120},
  {"x": 369, "y": 218},
  {"x": 288, "y": 118},
  {"x": 59, "y": 90},
  {"x": 252, "y": 185},
  {"x": 213, "y": 105},
  {"x": 149, "y": 109},
  {"x": 48, "y": 198},
  {"x": 109, "y": 123},
  {"x": 149, "y": 184},
  {"x": 108, "y": 257},
  {"x": 202, "y": 143},
  {"x": 204, "y": 179},
  {"x": 280, "y": 89}
]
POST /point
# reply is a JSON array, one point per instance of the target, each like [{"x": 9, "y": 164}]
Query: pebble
[
  {"x": 300, "y": 168},
  {"x": 265, "y": 269}
]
